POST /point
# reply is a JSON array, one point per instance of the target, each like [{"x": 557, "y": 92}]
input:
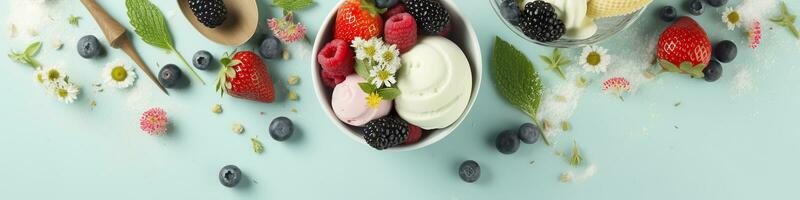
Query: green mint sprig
[
  {"x": 787, "y": 20},
  {"x": 517, "y": 80},
  {"x": 151, "y": 26},
  {"x": 26, "y": 57},
  {"x": 556, "y": 61}
]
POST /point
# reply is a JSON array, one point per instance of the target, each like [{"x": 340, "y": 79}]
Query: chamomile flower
[
  {"x": 117, "y": 74},
  {"x": 594, "y": 59},
  {"x": 53, "y": 75},
  {"x": 66, "y": 92},
  {"x": 382, "y": 75},
  {"x": 358, "y": 43},
  {"x": 374, "y": 100},
  {"x": 38, "y": 75},
  {"x": 389, "y": 56},
  {"x": 731, "y": 18},
  {"x": 368, "y": 49}
]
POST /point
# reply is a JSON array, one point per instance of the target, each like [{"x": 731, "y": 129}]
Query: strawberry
[
  {"x": 244, "y": 75},
  {"x": 357, "y": 18},
  {"x": 684, "y": 47}
]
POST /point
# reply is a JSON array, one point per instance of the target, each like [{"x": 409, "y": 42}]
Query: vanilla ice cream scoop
[
  {"x": 573, "y": 13},
  {"x": 349, "y": 103},
  {"x": 436, "y": 83}
]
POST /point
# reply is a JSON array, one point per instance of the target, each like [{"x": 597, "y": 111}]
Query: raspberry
[
  {"x": 337, "y": 58},
  {"x": 401, "y": 30},
  {"x": 446, "y": 31},
  {"x": 397, "y": 9},
  {"x": 414, "y": 134},
  {"x": 331, "y": 80}
]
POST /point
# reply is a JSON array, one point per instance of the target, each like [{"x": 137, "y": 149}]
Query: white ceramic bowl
[{"x": 462, "y": 34}]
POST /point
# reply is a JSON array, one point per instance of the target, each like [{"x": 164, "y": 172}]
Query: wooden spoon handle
[
  {"x": 126, "y": 46},
  {"x": 111, "y": 28}
]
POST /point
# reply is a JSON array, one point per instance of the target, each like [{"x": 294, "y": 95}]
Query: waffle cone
[{"x": 613, "y": 8}]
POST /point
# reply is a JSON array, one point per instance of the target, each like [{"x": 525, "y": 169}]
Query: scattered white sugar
[
  {"x": 559, "y": 101},
  {"x": 32, "y": 15},
  {"x": 587, "y": 173},
  {"x": 757, "y": 10},
  {"x": 742, "y": 82}
]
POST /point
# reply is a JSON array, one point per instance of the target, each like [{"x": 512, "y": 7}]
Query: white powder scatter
[
  {"x": 587, "y": 173},
  {"x": 32, "y": 16},
  {"x": 756, "y": 10},
  {"x": 742, "y": 82},
  {"x": 559, "y": 101}
]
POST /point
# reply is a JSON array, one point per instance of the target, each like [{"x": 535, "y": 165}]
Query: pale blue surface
[{"x": 726, "y": 146}]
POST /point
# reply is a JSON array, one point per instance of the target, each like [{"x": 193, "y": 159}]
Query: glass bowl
[{"x": 606, "y": 27}]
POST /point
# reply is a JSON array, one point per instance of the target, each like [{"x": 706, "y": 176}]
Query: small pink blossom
[
  {"x": 617, "y": 86},
  {"x": 286, "y": 30},
  {"x": 154, "y": 121},
  {"x": 754, "y": 34}
]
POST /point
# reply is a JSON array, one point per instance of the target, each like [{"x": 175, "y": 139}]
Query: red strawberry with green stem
[
  {"x": 244, "y": 75},
  {"x": 358, "y": 18},
  {"x": 684, "y": 48}
]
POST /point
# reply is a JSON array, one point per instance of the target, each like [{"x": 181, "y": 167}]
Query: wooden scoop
[{"x": 117, "y": 36}]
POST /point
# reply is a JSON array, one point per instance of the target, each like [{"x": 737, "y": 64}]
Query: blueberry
[
  {"x": 529, "y": 133},
  {"x": 668, "y": 13},
  {"x": 510, "y": 11},
  {"x": 507, "y": 142},
  {"x": 169, "y": 75},
  {"x": 725, "y": 51},
  {"x": 713, "y": 71},
  {"x": 385, "y": 3},
  {"x": 469, "y": 171},
  {"x": 202, "y": 60},
  {"x": 230, "y": 175},
  {"x": 696, "y": 7},
  {"x": 89, "y": 46},
  {"x": 281, "y": 128},
  {"x": 716, "y": 3},
  {"x": 270, "y": 48}
]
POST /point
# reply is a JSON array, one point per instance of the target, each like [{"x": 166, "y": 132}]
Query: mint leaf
[
  {"x": 150, "y": 25},
  {"x": 389, "y": 93},
  {"x": 290, "y": 5},
  {"x": 367, "y": 87},
  {"x": 362, "y": 68},
  {"x": 515, "y": 78}
]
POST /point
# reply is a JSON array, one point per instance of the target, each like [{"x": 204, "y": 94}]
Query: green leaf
[
  {"x": 290, "y": 5},
  {"x": 257, "y": 147},
  {"x": 668, "y": 66},
  {"x": 32, "y": 49},
  {"x": 515, "y": 78},
  {"x": 546, "y": 59},
  {"x": 686, "y": 66},
  {"x": 389, "y": 93},
  {"x": 367, "y": 87},
  {"x": 362, "y": 68},
  {"x": 576, "y": 158}
]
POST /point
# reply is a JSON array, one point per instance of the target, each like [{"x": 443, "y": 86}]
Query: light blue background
[{"x": 726, "y": 147}]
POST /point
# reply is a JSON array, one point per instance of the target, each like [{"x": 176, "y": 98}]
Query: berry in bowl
[
  {"x": 568, "y": 23},
  {"x": 396, "y": 75}
]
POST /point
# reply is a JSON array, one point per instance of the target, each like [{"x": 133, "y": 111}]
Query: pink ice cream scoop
[{"x": 349, "y": 103}]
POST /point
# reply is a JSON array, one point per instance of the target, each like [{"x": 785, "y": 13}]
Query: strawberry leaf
[
  {"x": 290, "y": 5},
  {"x": 686, "y": 66},
  {"x": 668, "y": 66}
]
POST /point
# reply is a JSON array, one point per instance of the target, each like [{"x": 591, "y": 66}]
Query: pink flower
[
  {"x": 286, "y": 30},
  {"x": 154, "y": 121},
  {"x": 617, "y": 86},
  {"x": 754, "y": 34}
]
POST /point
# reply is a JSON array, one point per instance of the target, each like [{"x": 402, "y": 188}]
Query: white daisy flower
[
  {"x": 594, "y": 59},
  {"x": 368, "y": 49},
  {"x": 117, "y": 74},
  {"x": 53, "y": 75},
  {"x": 731, "y": 18},
  {"x": 38, "y": 75},
  {"x": 388, "y": 55},
  {"x": 358, "y": 43},
  {"x": 66, "y": 92},
  {"x": 382, "y": 75}
]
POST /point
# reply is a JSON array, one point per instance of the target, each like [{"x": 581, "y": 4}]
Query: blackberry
[
  {"x": 209, "y": 12},
  {"x": 430, "y": 15},
  {"x": 386, "y": 132},
  {"x": 540, "y": 22}
]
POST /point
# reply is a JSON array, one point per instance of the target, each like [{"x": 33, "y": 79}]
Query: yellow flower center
[
  {"x": 383, "y": 75},
  {"x": 733, "y": 17},
  {"x": 39, "y": 78},
  {"x": 152, "y": 120},
  {"x": 62, "y": 92},
  {"x": 388, "y": 56},
  {"x": 53, "y": 74},
  {"x": 374, "y": 100},
  {"x": 370, "y": 50},
  {"x": 119, "y": 73},
  {"x": 593, "y": 58}
]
